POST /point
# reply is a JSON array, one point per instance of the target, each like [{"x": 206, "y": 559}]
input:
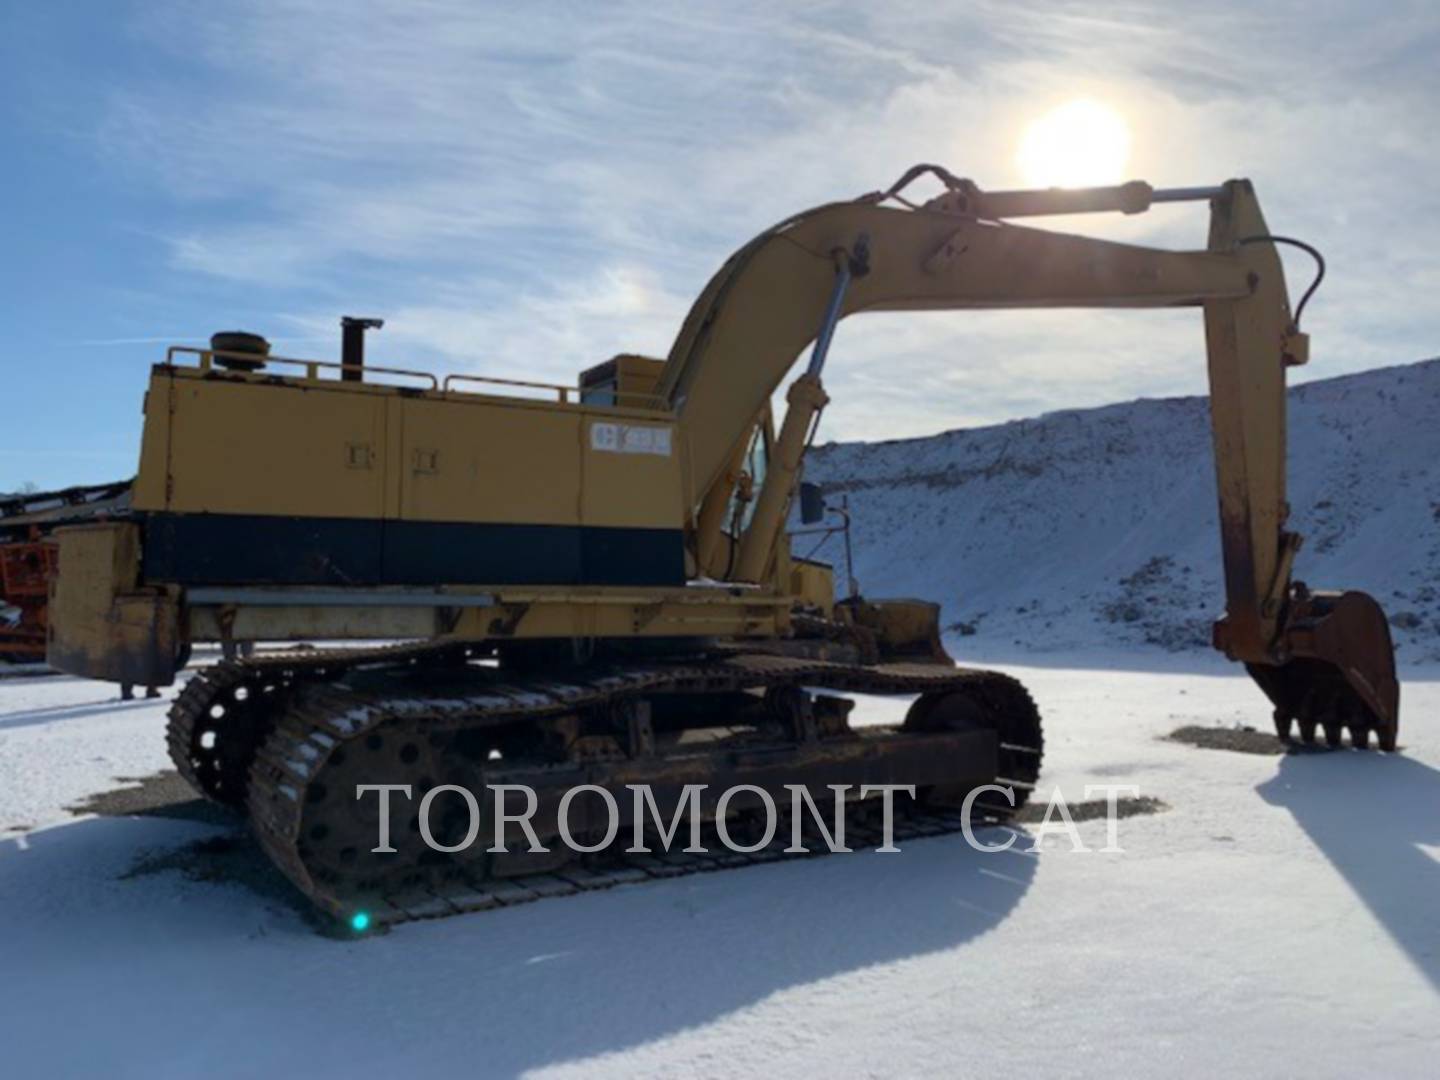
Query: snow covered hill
[{"x": 1098, "y": 526}]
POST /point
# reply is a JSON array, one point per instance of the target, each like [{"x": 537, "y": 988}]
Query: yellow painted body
[
  {"x": 262, "y": 444},
  {"x": 231, "y": 442}
]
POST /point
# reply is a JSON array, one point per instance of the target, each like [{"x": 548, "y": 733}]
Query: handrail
[
  {"x": 563, "y": 391},
  {"x": 312, "y": 367},
  {"x": 312, "y": 371}
]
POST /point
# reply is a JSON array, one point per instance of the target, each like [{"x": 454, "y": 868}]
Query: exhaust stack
[{"x": 352, "y": 345}]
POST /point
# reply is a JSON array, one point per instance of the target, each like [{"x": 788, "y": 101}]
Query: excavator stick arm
[
  {"x": 1244, "y": 341},
  {"x": 1325, "y": 660}
]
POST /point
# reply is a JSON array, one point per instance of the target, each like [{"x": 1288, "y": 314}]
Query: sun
[{"x": 1079, "y": 144}]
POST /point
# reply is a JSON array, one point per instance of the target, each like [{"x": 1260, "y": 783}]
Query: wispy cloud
[
  {"x": 528, "y": 191},
  {"x": 95, "y": 343}
]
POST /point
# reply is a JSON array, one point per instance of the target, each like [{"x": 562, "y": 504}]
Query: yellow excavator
[{"x": 594, "y": 584}]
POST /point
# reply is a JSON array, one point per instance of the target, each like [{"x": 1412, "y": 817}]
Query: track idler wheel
[
  {"x": 1015, "y": 722},
  {"x": 213, "y": 748}
]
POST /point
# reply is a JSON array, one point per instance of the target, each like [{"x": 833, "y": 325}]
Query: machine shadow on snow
[
  {"x": 674, "y": 954},
  {"x": 78, "y": 711},
  {"x": 1367, "y": 814}
]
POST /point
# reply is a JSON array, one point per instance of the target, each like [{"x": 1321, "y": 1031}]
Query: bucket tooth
[{"x": 1338, "y": 669}]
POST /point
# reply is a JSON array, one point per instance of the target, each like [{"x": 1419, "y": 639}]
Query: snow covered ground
[{"x": 1281, "y": 918}]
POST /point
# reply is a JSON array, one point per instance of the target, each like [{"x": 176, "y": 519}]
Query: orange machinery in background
[
  {"x": 25, "y": 572},
  {"x": 28, "y": 558}
]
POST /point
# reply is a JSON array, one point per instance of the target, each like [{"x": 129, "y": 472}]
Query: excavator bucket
[{"x": 1340, "y": 671}]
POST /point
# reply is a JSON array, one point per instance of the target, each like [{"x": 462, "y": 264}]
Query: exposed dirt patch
[
  {"x": 162, "y": 794},
  {"x": 1093, "y": 809},
  {"x": 232, "y": 857},
  {"x": 1240, "y": 740}
]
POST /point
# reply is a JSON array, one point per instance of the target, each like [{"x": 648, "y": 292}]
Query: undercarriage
[{"x": 289, "y": 738}]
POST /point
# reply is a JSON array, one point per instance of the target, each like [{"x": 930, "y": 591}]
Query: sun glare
[{"x": 1079, "y": 144}]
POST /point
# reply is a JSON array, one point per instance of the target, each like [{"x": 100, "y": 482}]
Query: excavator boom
[{"x": 776, "y": 294}]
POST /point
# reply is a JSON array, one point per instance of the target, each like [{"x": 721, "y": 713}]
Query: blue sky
[{"x": 525, "y": 190}]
